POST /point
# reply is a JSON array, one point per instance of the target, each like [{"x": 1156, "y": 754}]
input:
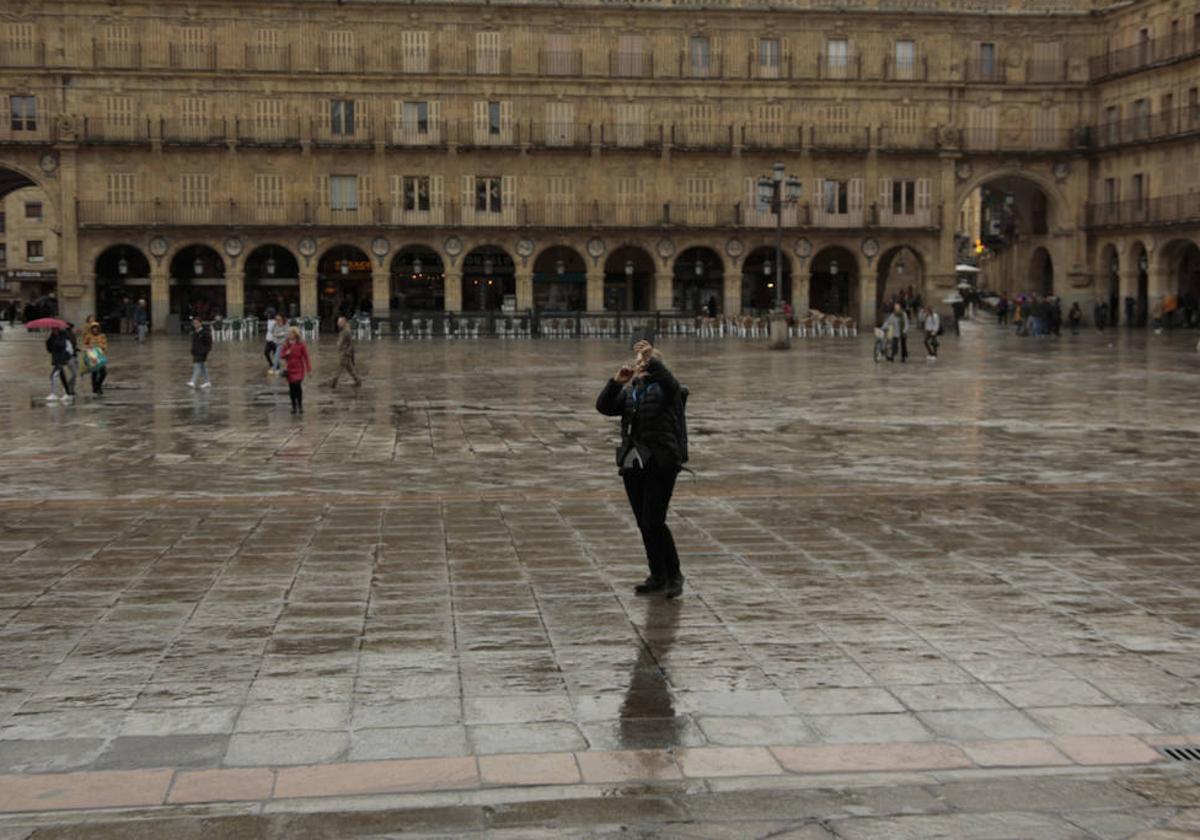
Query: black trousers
[
  {"x": 296, "y": 392},
  {"x": 649, "y": 492},
  {"x": 269, "y": 352},
  {"x": 931, "y": 344},
  {"x": 98, "y": 377}
]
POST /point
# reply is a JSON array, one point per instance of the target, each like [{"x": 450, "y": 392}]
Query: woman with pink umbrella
[{"x": 61, "y": 348}]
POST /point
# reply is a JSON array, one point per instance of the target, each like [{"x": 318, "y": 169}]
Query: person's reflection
[{"x": 648, "y": 718}]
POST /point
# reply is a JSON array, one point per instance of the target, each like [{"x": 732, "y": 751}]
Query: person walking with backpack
[
  {"x": 202, "y": 342},
  {"x": 650, "y": 402},
  {"x": 294, "y": 354},
  {"x": 62, "y": 360}
]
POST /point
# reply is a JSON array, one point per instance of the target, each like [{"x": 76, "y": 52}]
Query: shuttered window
[{"x": 414, "y": 52}]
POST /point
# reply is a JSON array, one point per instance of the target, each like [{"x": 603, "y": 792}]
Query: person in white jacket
[
  {"x": 933, "y": 325},
  {"x": 278, "y": 333}
]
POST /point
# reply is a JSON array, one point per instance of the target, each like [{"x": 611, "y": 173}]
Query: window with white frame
[
  {"x": 770, "y": 58},
  {"x": 768, "y": 120},
  {"x": 905, "y": 120},
  {"x": 835, "y": 196},
  {"x": 118, "y": 43},
  {"x": 560, "y": 200},
  {"x": 119, "y": 189},
  {"x": 268, "y": 191},
  {"x": 489, "y": 196},
  {"x": 700, "y": 56},
  {"x": 341, "y": 43},
  {"x": 268, "y": 119},
  {"x": 195, "y": 192},
  {"x": 837, "y": 57},
  {"x": 631, "y": 199},
  {"x": 34, "y": 251},
  {"x": 193, "y": 115},
  {"x": 341, "y": 117},
  {"x": 487, "y": 52},
  {"x": 415, "y": 116},
  {"x": 343, "y": 192},
  {"x": 415, "y": 193},
  {"x": 417, "y": 198},
  {"x": 701, "y": 196},
  {"x": 904, "y": 59},
  {"x": 118, "y": 116},
  {"x": 23, "y": 113}
]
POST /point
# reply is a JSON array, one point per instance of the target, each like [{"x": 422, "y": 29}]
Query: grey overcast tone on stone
[{"x": 999, "y": 546}]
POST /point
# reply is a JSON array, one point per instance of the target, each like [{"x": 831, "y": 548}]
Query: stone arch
[
  {"x": 1047, "y": 185},
  {"x": 629, "y": 278},
  {"x": 344, "y": 283},
  {"x": 697, "y": 276},
  {"x": 898, "y": 268},
  {"x": 197, "y": 282},
  {"x": 559, "y": 279},
  {"x": 122, "y": 278},
  {"x": 835, "y": 281},
  {"x": 760, "y": 278},
  {"x": 489, "y": 275},
  {"x": 271, "y": 274},
  {"x": 418, "y": 279},
  {"x": 1041, "y": 272},
  {"x": 1179, "y": 280}
]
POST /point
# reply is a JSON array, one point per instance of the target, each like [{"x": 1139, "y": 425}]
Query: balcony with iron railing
[
  {"x": 1164, "y": 210},
  {"x": 489, "y": 62},
  {"x": 839, "y": 66},
  {"x": 22, "y": 55},
  {"x": 416, "y": 133},
  {"x": 1145, "y": 54},
  {"x": 193, "y": 57},
  {"x": 193, "y": 132},
  {"x": 908, "y": 139},
  {"x": 631, "y": 136},
  {"x": 630, "y": 65},
  {"x": 130, "y": 129},
  {"x": 772, "y": 137},
  {"x": 710, "y": 66},
  {"x": 19, "y": 132},
  {"x": 269, "y": 59},
  {"x": 267, "y": 131},
  {"x": 780, "y": 67},
  {"x": 702, "y": 137},
  {"x": 562, "y": 135},
  {"x": 116, "y": 56},
  {"x": 484, "y": 134},
  {"x": 844, "y": 138},
  {"x": 1014, "y": 139},
  {"x": 906, "y": 69},
  {"x": 351, "y": 133},
  {"x": 415, "y": 59},
  {"x": 984, "y": 71},
  {"x": 560, "y": 62},
  {"x": 1045, "y": 72},
  {"x": 1165, "y": 125}
]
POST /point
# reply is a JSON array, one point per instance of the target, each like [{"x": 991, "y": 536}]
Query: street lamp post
[{"x": 778, "y": 192}]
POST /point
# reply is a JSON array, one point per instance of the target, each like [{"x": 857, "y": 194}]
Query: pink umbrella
[{"x": 46, "y": 324}]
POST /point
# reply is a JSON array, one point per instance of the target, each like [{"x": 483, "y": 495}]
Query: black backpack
[{"x": 680, "y": 411}]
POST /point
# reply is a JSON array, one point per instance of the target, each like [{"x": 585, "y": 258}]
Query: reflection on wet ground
[{"x": 1001, "y": 545}]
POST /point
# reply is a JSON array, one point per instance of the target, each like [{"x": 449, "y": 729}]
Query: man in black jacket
[
  {"x": 62, "y": 358},
  {"x": 649, "y": 458},
  {"x": 202, "y": 342}
]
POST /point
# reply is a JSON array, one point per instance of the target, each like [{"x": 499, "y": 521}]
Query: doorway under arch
[
  {"x": 901, "y": 270},
  {"x": 1136, "y": 307},
  {"x": 418, "y": 280},
  {"x": 1108, "y": 283},
  {"x": 1008, "y": 216},
  {"x": 833, "y": 283},
  {"x": 344, "y": 285},
  {"x": 559, "y": 280},
  {"x": 1182, "y": 264},
  {"x": 122, "y": 279},
  {"x": 629, "y": 280},
  {"x": 760, "y": 279},
  {"x": 1041, "y": 273},
  {"x": 697, "y": 280},
  {"x": 489, "y": 279},
  {"x": 272, "y": 282},
  {"x": 197, "y": 284}
]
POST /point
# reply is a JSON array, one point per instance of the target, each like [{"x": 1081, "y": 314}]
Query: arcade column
[
  {"x": 381, "y": 290},
  {"x": 235, "y": 293},
  {"x": 308, "y": 294},
  {"x": 524, "y": 281},
  {"x": 664, "y": 292},
  {"x": 453, "y": 291},
  {"x": 160, "y": 297},
  {"x": 595, "y": 290}
]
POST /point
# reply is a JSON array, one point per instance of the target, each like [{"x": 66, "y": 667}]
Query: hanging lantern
[
  {"x": 628, "y": 268},
  {"x": 833, "y": 267},
  {"x": 767, "y": 267},
  {"x": 197, "y": 266},
  {"x": 699, "y": 267},
  {"x": 488, "y": 266},
  {"x": 417, "y": 265},
  {"x": 122, "y": 266},
  {"x": 344, "y": 266},
  {"x": 560, "y": 268},
  {"x": 270, "y": 265},
  {"x": 901, "y": 266},
  {"x": 1143, "y": 262}
]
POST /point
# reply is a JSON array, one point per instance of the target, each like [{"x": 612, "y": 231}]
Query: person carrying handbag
[{"x": 95, "y": 354}]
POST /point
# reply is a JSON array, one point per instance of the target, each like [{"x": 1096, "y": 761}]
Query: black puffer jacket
[
  {"x": 647, "y": 410},
  {"x": 201, "y": 344},
  {"x": 59, "y": 348}
]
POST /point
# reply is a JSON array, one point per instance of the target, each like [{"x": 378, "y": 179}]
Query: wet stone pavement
[{"x": 962, "y": 595}]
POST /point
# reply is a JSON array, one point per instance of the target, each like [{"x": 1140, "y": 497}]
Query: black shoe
[
  {"x": 674, "y": 588},
  {"x": 650, "y": 585}
]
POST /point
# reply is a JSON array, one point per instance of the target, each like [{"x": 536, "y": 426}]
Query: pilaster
[
  {"x": 381, "y": 290},
  {"x": 664, "y": 293},
  {"x": 453, "y": 291},
  {"x": 235, "y": 294},
  {"x": 595, "y": 290},
  {"x": 524, "y": 280},
  {"x": 308, "y": 294},
  {"x": 160, "y": 297}
]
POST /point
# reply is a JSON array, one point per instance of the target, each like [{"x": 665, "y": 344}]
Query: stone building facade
[
  {"x": 317, "y": 157},
  {"x": 28, "y": 247}
]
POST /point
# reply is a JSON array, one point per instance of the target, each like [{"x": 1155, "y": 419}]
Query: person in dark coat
[
  {"x": 62, "y": 359},
  {"x": 644, "y": 396},
  {"x": 202, "y": 342}
]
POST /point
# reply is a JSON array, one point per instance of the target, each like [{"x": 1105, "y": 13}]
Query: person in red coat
[{"x": 295, "y": 356}]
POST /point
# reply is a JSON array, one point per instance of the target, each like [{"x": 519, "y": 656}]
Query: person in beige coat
[{"x": 345, "y": 349}]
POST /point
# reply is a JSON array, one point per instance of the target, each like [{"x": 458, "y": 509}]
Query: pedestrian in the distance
[
  {"x": 141, "y": 320},
  {"x": 1100, "y": 314},
  {"x": 894, "y": 327},
  {"x": 644, "y": 395},
  {"x": 345, "y": 349},
  {"x": 202, "y": 342},
  {"x": 95, "y": 339},
  {"x": 62, "y": 361},
  {"x": 295, "y": 357},
  {"x": 933, "y": 324},
  {"x": 1075, "y": 317},
  {"x": 277, "y": 333}
]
